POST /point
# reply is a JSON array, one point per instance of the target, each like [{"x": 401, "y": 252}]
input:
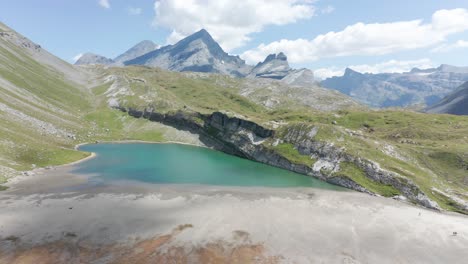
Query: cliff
[{"x": 319, "y": 159}]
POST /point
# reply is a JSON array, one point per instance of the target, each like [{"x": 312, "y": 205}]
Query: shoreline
[
  {"x": 83, "y": 219},
  {"x": 297, "y": 225},
  {"x": 22, "y": 176}
]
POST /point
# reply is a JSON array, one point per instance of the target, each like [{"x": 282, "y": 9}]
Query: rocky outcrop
[{"x": 247, "y": 139}]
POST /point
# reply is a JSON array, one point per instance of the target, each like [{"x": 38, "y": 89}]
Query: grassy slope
[{"x": 35, "y": 99}]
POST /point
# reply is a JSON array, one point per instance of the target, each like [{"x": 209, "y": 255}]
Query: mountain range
[
  {"x": 199, "y": 52},
  {"x": 138, "y": 50},
  {"x": 417, "y": 87}
]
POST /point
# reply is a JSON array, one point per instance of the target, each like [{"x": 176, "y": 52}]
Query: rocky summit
[
  {"x": 136, "y": 51},
  {"x": 198, "y": 52},
  {"x": 275, "y": 66},
  {"x": 91, "y": 58}
]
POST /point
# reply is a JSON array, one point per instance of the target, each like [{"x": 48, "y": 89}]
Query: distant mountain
[
  {"x": 417, "y": 87},
  {"x": 91, "y": 58},
  {"x": 136, "y": 51},
  {"x": 198, "y": 52},
  {"x": 276, "y": 66},
  {"x": 455, "y": 103}
]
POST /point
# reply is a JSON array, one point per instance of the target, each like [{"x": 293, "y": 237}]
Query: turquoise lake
[{"x": 182, "y": 164}]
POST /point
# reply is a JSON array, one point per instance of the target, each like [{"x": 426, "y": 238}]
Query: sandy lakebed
[{"x": 56, "y": 216}]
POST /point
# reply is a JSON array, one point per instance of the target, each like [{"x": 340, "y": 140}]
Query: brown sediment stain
[{"x": 159, "y": 249}]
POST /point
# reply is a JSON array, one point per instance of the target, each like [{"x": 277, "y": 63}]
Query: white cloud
[
  {"x": 104, "y": 3},
  {"x": 77, "y": 57},
  {"x": 391, "y": 66},
  {"x": 229, "y": 22},
  {"x": 368, "y": 39},
  {"x": 327, "y": 10},
  {"x": 449, "y": 47},
  {"x": 323, "y": 73}
]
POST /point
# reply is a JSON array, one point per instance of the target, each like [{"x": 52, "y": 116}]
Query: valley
[{"x": 405, "y": 172}]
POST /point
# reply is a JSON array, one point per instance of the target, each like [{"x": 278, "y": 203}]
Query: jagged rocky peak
[
  {"x": 136, "y": 51},
  {"x": 198, "y": 52},
  {"x": 91, "y": 58},
  {"x": 280, "y": 56},
  {"x": 275, "y": 66}
]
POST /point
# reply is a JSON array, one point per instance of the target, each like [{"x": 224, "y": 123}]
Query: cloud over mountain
[{"x": 230, "y": 22}]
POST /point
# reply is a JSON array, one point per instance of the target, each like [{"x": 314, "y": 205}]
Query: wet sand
[{"x": 55, "y": 216}]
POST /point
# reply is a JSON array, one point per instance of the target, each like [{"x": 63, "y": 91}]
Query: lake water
[{"x": 175, "y": 163}]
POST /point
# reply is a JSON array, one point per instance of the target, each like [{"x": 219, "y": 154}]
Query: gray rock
[
  {"x": 136, "y": 51},
  {"x": 275, "y": 66},
  {"x": 198, "y": 52},
  {"x": 301, "y": 77},
  {"x": 244, "y": 138}
]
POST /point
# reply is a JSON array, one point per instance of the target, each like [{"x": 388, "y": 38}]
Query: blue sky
[{"x": 324, "y": 35}]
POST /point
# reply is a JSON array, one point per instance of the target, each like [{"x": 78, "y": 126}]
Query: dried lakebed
[{"x": 84, "y": 213}]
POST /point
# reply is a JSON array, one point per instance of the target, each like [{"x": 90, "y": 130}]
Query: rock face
[
  {"x": 246, "y": 139},
  {"x": 275, "y": 66},
  {"x": 198, "y": 52},
  {"x": 417, "y": 87},
  {"x": 301, "y": 77},
  {"x": 91, "y": 58},
  {"x": 136, "y": 51},
  {"x": 455, "y": 103}
]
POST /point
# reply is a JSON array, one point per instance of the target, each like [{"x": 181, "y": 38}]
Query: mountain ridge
[
  {"x": 422, "y": 87},
  {"x": 455, "y": 103},
  {"x": 199, "y": 52},
  {"x": 136, "y": 51}
]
